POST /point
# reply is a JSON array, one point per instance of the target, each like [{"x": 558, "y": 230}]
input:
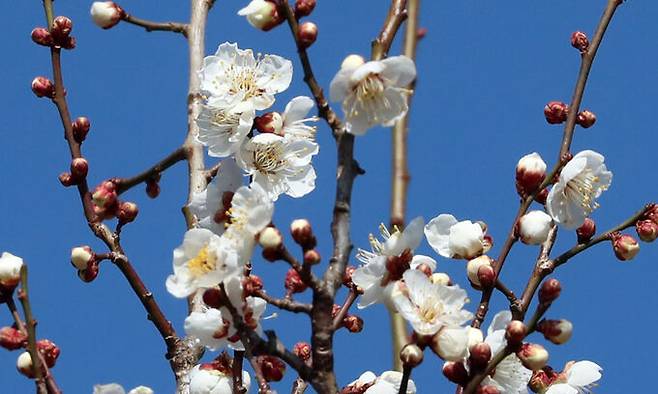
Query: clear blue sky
[{"x": 485, "y": 71}]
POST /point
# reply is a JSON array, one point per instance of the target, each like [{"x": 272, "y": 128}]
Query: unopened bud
[
  {"x": 473, "y": 268},
  {"x": 302, "y": 350},
  {"x": 68, "y": 43},
  {"x": 271, "y": 367},
  {"x": 312, "y": 256},
  {"x": 106, "y": 14},
  {"x": 579, "y": 41},
  {"x": 127, "y": 212},
  {"x": 251, "y": 284},
  {"x": 10, "y": 272},
  {"x": 307, "y": 34},
  {"x": 411, "y": 355},
  {"x": 542, "y": 196},
  {"x": 515, "y": 332},
  {"x": 347, "y": 276},
  {"x": 586, "y": 119},
  {"x": 43, "y": 87},
  {"x": 270, "y": 238},
  {"x": 451, "y": 344},
  {"x": 625, "y": 246},
  {"x": 79, "y": 168},
  {"x": 440, "y": 278},
  {"x": 352, "y": 61},
  {"x": 82, "y": 257},
  {"x": 647, "y": 230},
  {"x": 42, "y": 36},
  {"x": 556, "y": 112},
  {"x": 304, "y": 7},
  {"x": 480, "y": 354},
  {"x": 262, "y": 14},
  {"x": 24, "y": 365},
  {"x": 539, "y": 381},
  {"x": 271, "y": 122},
  {"x": 61, "y": 28},
  {"x": 302, "y": 233},
  {"x": 12, "y": 339},
  {"x": 213, "y": 298},
  {"x": 530, "y": 173},
  {"x": 488, "y": 389},
  {"x": 549, "y": 291},
  {"x": 534, "y": 226},
  {"x": 294, "y": 282},
  {"x": 651, "y": 212},
  {"x": 533, "y": 356},
  {"x": 89, "y": 274},
  {"x": 49, "y": 351},
  {"x": 152, "y": 188},
  {"x": 80, "y": 127},
  {"x": 556, "y": 331},
  {"x": 455, "y": 372},
  {"x": 105, "y": 195},
  {"x": 353, "y": 323},
  {"x": 586, "y": 231}
]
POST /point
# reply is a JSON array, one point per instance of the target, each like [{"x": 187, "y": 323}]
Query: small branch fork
[{"x": 544, "y": 265}]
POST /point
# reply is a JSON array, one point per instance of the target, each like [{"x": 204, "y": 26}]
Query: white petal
[
  {"x": 298, "y": 109},
  {"x": 437, "y": 232},
  {"x": 561, "y": 388},
  {"x": 400, "y": 71},
  {"x": 584, "y": 373}
]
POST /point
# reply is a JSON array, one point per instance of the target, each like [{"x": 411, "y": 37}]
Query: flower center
[
  {"x": 243, "y": 80},
  {"x": 268, "y": 159},
  {"x": 220, "y": 118},
  {"x": 202, "y": 263},
  {"x": 583, "y": 189},
  {"x": 429, "y": 313}
]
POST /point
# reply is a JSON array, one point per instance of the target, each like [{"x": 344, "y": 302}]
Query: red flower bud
[
  {"x": 251, "y": 284},
  {"x": 302, "y": 350},
  {"x": 302, "y": 233},
  {"x": 347, "y": 276},
  {"x": 304, "y": 8},
  {"x": 105, "y": 195},
  {"x": 515, "y": 332},
  {"x": 43, "y": 87},
  {"x": 61, "y": 27},
  {"x": 49, "y": 350},
  {"x": 353, "y": 323},
  {"x": 79, "y": 168},
  {"x": 480, "y": 354},
  {"x": 81, "y": 127},
  {"x": 65, "y": 179},
  {"x": 213, "y": 298},
  {"x": 307, "y": 34},
  {"x": 586, "y": 231},
  {"x": 533, "y": 356},
  {"x": 586, "y": 119},
  {"x": 294, "y": 282},
  {"x": 530, "y": 173},
  {"x": 41, "y": 36},
  {"x": 11, "y": 338},
  {"x": 540, "y": 380},
  {"x": 312, "y": 256},
  {"x": 556, "y": 112},
  {"x": 647, "y": 230},
  {"x": 270, "y": 122},
  {"x": 127, "y": 212},
  {"x": 624, "y": 246},
  {"x": 152, "y": 188},
  {"x": 271, "y": 367},
  {"x": 579, "y": 41},
  {"x": 549, "y": 291},
  {"x": 455, "y": 372},
  {"x": 556, "y": 331},
  {"x": 89, "y": 274}
]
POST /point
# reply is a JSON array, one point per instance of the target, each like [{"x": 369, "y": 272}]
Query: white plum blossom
[
  {"x": 430, "y": 307},
  {"x": 577, "y": 378},
  {"x": 233, "y": 79},
  {"x": 374, "y": 277},
  {"x": 387, "y": 383},
  {"x": 208, "y": 379},
  {"x": 10, "y": 270},
  {"x": 251, "y": 211},
  {"x": 114, "y": 388},
  {"x": 203, "y": 260},
  {"x": 208, "y": 327},
  {"x": 453, "y": 239},
  {"x": 279, "y": 165},
  {"x": 210, "y": 205},
  {"x": 223, "y": 131},
  {"x": 295, "y": 118},
  {"x": 510, "y": 376},
  {"x": 534, "y": 227},
  {"x": 582, "y": 180},
  {"x": 373, "y": 93}
]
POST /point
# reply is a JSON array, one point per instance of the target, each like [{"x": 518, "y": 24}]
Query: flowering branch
[
  {"x": 284, "y": 303},
  {"x": 150, "y": 26},
  {"x": 30, "y": 323}
]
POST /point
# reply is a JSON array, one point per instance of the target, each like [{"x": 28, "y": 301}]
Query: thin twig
[
  {"x": 406, "y": 374},
  {"x": 284, "y": 303},
  {"x": 37, "y": 362},
  {"x": 149, "y": 26},
  {"x": 238, "y": 358},
  {"x": 123, "y": 184},
  {"x": 351, "y": 297}
]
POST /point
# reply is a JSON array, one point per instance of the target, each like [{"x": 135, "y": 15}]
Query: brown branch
[
  {"x": 400, "y": 171},
  {"x": 299, "y": 386},
  {"x": 30, "y": 324},
  {"x": 238, "y": 358},
  {"x": 324, "y": 109},
  {"x": 150, "y": 26},
  {"x": 211, "y": 173},
  {"x": 406, "y": 374},
  {"x": 396, "y": 15},
  {"x": 124, "y": 184},
  {"x": 263, "y": 385},
  {"x": 338, "y": 320},
  {"x": 284, "y": 303}
]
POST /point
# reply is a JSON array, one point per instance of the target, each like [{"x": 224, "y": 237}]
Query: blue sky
[{"x": 485, "y": 71}]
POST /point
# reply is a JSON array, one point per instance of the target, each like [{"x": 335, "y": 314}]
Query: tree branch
[
  {"x": 150, "y": 26},
  {"x": 124, "y": 184},
  {"x": 284, "y": 303}
]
